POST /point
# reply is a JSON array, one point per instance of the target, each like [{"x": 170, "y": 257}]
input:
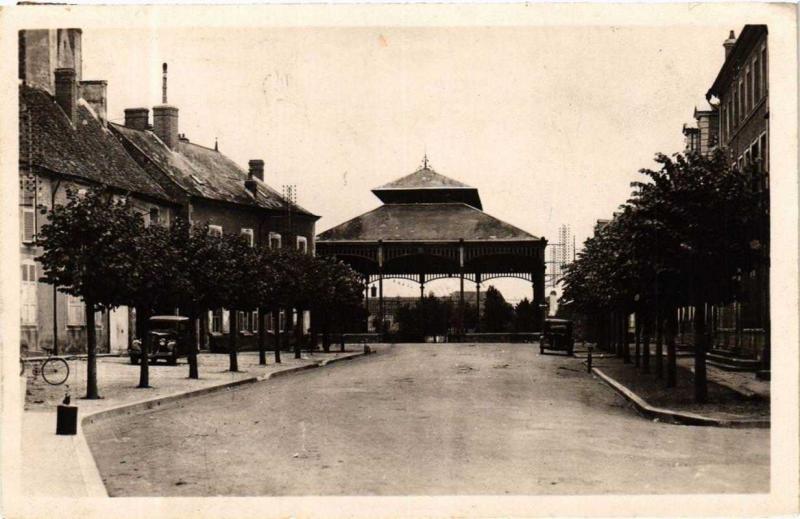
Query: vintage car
[
  {"x": 557, "y": 335},
  {"x": 169, "y": 340}
]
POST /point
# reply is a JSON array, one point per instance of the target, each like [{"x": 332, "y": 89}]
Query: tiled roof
[
  {"x": 423, "y": 178},
  {"x": 424, "y": 222},
  {"x": 86, "y": 150},
  {"x": 427, "y": 186},
  {"x": 203, "y": 172}
]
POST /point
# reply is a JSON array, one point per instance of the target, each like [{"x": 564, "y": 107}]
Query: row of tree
[
  {"x": 97, "y": 247},
  {"x": 683, "y": 239},
  {"x": 438, "y": 316}
]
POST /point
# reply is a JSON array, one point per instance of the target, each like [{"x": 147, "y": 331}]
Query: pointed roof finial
[
  {"x": 216, "y": 144},
  {"x": 425, "y": 161}
]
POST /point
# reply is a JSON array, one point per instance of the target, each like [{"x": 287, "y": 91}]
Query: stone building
[
  {"x": 738, "y": 121},
  {"x": 741, "y": 91},
  {"x": 212, "y": 189},
  {"x": 65, "y": 145}
]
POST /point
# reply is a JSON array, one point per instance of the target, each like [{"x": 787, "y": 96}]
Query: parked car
[
  {"x": 169, "y": 340},
  {"x": 557, "y": 335}
]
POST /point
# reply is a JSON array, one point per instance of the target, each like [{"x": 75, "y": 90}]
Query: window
[
  {"x": 248, "y": 234},
  {"x": 274, "y": 240},
  {"x": 242, "y": 317},
  {"x": 216, "y": 321},
  {"x": 764, "y": 153},
  {"x": 76, "y": 313},
  {"x": 764, "y": 70},
  {"x": 741, "y": 101},
  {"x": 270, "y": 323},
  {"x": 28, "y": 220},
  {"x": 155, "y": 217},
  {"x": 254, "y": 321},
  {"x": 215, "y": 230},
  {"x": 28, "y": 294},
  {"x": 748, "y": 91},
  {"x": 282, "y": 321},
  {"x": 302, "y": 244},
  {"x": 756, "y": 80}
]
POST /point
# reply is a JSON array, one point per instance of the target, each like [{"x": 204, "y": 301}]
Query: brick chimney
[
  {"x": 67, "y": 92},
  {"x": 165, "y": 117},
  {"x": 729, "y": 43},
  {"x": 257, "y": 169},
  {"x": 137, "y": 118},
  {"x": 94, "y": 93}
]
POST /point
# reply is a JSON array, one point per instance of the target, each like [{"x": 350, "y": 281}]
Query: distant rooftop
[{"x": 427, "y": 186}]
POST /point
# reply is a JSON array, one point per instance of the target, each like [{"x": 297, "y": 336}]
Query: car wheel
[
  {"x": 134, "y": 359},
  {"x": 173, "y": 361}
]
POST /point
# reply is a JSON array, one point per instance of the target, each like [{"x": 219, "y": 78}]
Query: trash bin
[{"x": 67, "y": 420}]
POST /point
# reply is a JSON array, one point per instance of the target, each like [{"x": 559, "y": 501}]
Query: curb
[{"x": 668, "y": 415}]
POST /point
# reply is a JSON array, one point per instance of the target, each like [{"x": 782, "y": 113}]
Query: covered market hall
[{"x": 432, "y": 227}]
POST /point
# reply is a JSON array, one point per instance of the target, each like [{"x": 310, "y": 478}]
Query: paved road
[{"x": 423, "y": 419}]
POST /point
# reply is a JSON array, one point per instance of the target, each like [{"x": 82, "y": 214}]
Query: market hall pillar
[
  {"x": 538, "y": 296},
  {"x": 478, "y": 301}
]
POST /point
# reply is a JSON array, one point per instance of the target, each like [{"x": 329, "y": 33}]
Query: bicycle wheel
[{"x": 55, "y": 371}]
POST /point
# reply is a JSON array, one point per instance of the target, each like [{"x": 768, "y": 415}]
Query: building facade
[
  {"x": 65, "y": 146},
  {"x": 738, "y": 122},
  {"x": 213, "y": 190}
]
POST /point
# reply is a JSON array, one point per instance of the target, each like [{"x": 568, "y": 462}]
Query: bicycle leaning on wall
[{"x": 54, "y": 370}]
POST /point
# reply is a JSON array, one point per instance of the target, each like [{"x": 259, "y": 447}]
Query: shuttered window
[
  {"x": 76, "y": 314},
  {"x": 28, "y": 224},
  {"x": 28, "y": 294}
]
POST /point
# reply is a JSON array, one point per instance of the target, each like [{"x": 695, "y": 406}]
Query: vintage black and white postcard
[{"x": 400, "y": 260}]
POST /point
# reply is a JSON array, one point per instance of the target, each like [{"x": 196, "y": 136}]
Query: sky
[{"x": 551, "y": 124}]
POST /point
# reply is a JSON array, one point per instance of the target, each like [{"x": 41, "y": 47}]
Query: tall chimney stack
[
  {"x": 257, "y": 169},
  {"x": 95, "y": 93},
  {"x": 728, "y": 44},
  {"x": 137, "y": 118},
  {"x": 165, "y": 117},
  {"x": 67, "y": 92}
]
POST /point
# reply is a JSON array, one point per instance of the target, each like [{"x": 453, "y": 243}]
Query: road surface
[{"x": 423, "y": 420}]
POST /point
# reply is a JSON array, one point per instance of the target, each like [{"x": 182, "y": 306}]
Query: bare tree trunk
[
  {"x": 193, "y": 347},
  {"x": 91, "y": 350},
  {"x": 659, "y": 341},
  {"x": 672, "y": 368},
  {"x": 298, "y": 333},
  {"x": 276, "y": 325},
  {"x": 700, "y": 376},
  {"x": 638, "y": 339},
  {"x": 262, "y": 339},
  {"x": 143, "y": 323},
  {"x": 647, "y": 326},
  {"x": 626, "y": 345},
  {"x": 233, "y": 335}
]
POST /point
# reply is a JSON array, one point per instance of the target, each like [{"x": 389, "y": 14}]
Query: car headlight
[
  {"x": 171, "y": 344},
  {"x": 162, "y": 342}
]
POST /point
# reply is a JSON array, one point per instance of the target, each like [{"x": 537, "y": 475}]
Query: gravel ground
[{"x": 423, "y": 420}]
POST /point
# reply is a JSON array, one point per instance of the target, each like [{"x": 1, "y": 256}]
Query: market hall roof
[
  {"x": 427, "y": 186},
  {"x": 203, "y": 172},
  {"x": 451, "y": 221},
  {"x": 86, "y": 150}
]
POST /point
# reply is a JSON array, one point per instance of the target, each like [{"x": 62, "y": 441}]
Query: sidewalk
[
  {"x": 62, "y": 466},
  {"x": 743, "y": 382}
]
